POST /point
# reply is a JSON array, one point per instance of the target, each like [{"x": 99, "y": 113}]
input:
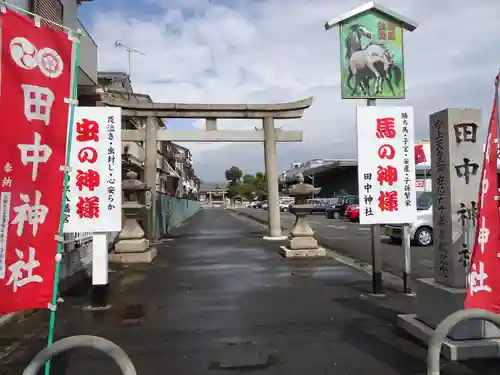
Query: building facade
[{"x": 175, "y": 174}]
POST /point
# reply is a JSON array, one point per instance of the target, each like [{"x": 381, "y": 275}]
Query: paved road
[
  {"x": 354, "y": 240},
  {"x": 218, "y": 295}
]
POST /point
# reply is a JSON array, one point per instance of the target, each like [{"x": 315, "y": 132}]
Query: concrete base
[
  {"x": 279, "y": 238},
  {"x": 132, "y": 245},
  {"x": 130, "y": 258},
  {"x": 468, "y": 339},
  {"x": 435, "y": 301},
  {"x": 452, "y": 350},
  {"x": 302, "y": 243},
  {"x": 303, "y": 253}
]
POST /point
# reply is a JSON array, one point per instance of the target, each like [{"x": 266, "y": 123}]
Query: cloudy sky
[{"x": 260, "y": 51}]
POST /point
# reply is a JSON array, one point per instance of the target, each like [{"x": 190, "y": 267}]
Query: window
[
  {"x": 424, "y": 200},
  {"x": 28, "y": 5}
]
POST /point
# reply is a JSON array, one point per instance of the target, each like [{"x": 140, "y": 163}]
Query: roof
[
  {"x": 206, "y": 186},
  {"x": 308, "y": 171},
  {"x": 406, "y": 23}
]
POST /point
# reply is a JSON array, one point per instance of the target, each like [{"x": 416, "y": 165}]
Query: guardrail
[
  {"x": 105, "y": 346},
  {"x": 444, "y": 328}
]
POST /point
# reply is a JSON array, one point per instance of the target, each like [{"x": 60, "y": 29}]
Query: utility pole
[{"x": 129, "y": 51}]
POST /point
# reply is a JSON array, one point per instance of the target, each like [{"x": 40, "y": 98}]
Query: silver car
[{"x": 421, "y": 228}]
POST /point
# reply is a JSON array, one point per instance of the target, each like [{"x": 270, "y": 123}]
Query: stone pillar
[
  {"x": 150, "y": 174},
  {"x": 273, "y": 211},
  {"x": 456, "y": 157},
  {"x": 132, "y": 246}
]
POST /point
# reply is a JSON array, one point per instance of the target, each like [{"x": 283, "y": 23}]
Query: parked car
[
  {"x": 264, "y": 205},
  {"x": 420, "y": 230},
  {"x": 336, "y": 211},
  {"x": 255, "y": 204},
  {"x": 352, "y": 212},
  {"x": 318, "y": 205},
  {"x": 285, "y": 204}
]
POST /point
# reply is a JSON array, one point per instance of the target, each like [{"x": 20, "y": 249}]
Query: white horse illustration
[{"x": 374, "y": 61}]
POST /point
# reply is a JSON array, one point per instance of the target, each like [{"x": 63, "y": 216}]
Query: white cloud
[{"x": 243, "y": 51}]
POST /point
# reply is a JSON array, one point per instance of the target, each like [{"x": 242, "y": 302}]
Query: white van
[{"x": 421, "y": 228}]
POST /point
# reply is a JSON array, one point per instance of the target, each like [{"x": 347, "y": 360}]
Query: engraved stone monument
[
  {"x": 456, "y": 163},
  {"x": 301, "y": 243},
  {"x": 132, "y": 246}
]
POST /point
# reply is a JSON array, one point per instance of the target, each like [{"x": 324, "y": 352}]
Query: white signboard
[
  {"x": 386, "y": 165},
  {"x": 94, "y": 196}
]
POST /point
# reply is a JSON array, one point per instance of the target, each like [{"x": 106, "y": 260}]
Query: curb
[{"x": 391, "y": 279}]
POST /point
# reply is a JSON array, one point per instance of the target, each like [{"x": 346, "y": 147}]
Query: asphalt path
[{"x": 354, "y": 240}]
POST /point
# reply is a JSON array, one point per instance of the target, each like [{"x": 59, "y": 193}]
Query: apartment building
[{"x": 175, "y": 175}]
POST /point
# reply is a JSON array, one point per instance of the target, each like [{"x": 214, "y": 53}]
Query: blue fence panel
[{"x": 172, "y": 212}]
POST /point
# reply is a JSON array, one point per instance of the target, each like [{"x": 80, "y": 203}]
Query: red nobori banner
[
  {"x": 483, "y": 280},
  {"x": 35, "y": 84}
]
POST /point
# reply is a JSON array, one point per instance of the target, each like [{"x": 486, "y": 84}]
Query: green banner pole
[{"x": 60, "y": 246}]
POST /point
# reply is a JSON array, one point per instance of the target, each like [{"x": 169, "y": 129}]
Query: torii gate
[{"x": 211, "y": 112}]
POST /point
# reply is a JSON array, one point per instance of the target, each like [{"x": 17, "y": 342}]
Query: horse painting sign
[
  {"x": 371, "y": 52},
  {"x": 372, "y": 57}
]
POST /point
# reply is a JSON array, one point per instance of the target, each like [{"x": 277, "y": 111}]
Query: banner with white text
[{"x": 35, "y": 87}]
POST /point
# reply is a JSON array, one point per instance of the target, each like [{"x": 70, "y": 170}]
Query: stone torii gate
[{"x": 269, "y": 135}]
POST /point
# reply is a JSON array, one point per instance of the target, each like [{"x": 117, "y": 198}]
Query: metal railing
[
  {"x": 105, "y": 346},
  {"x": 73, "y": 241},
  {"x": 444, "y": 328},
  {"x": 72, "y": 263}
]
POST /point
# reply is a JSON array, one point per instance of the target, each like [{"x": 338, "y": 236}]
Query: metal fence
[
  {"x": 77, "y": 258},
  {"x": 77, "y": 253},
  {"x": 172, "y": 212}
]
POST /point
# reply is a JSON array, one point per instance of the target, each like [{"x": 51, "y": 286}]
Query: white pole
[
  {"x": 407, "y": 254},
  {"x": 99, "y": 271}
]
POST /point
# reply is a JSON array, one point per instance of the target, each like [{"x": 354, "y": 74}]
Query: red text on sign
[
  {"x": 87, "y": 130},
  {"x": 385, "y": 128},
  {"x": 87, "y": 207},
  {"x": 386, "y": 152},
  {"x": 88, "y": 154},
  {"x": 387, "y": 174},
  {"x": 89, "y": 179},
  {"x": 388, "y": 201}
]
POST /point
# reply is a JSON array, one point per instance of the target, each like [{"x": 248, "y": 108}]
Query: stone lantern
[
  {"x": 301, "y": 242},
  {"x": 132, "y": 246}
]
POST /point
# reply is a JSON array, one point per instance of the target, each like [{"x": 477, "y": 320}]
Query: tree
[
  {"x": 248, "y": 179},
  {"x": 246, "y": 185},
  {"x": 233, "y": 174},
  {"x": 260, "y": 185}
]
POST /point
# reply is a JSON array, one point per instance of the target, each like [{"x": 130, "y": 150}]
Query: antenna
[{"x": 129, "y": 50}]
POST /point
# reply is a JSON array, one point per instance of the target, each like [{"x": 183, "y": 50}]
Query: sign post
[
  {"x": 372, "y": 67},
  {"x": 94, "y": 192}
]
